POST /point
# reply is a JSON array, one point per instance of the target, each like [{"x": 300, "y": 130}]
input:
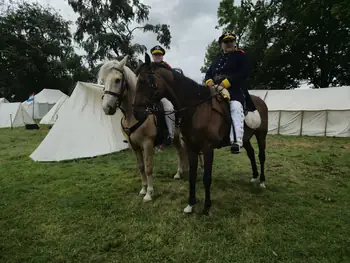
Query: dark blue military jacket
[{"x": 232, "y": 65}]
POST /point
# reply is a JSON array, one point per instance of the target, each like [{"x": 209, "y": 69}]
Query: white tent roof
[
  {"x": 82, "y": 130},
  {"x": 15, "y": 114},
  {"x": 337, "y": 98},
  {"x": 260, "y": 93},
  {"x": 50, "y": 96},
  {"x": 52, "y": 115},
  {"x": 3, "y": 100}
]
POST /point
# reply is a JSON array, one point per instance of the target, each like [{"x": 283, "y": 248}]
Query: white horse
[{"x": 119, "y": 92}]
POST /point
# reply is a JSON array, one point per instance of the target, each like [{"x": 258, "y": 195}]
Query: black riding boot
[{"x": 235, "y": 148}]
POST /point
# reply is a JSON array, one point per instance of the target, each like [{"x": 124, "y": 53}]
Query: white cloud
[{"x": 192, "y": 26}]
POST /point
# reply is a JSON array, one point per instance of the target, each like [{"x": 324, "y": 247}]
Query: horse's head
[
  {"x": 111, "y": 74},
  {"x": 151, "y": 85}
]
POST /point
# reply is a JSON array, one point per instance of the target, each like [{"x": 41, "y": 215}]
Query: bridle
[
  {"x": 153, "y": 85},
  {"x": 119, "y": 96}
]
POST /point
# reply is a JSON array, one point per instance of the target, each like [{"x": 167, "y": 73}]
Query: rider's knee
[
  {"x": 236, "y": 105},
  {"x": 167, "y": 106}
]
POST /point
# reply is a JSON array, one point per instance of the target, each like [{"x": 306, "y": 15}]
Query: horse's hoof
[
  {"x": 177, "y": 176},
  {"x": 254, "y": 180},
  {"x": 147, "y": 198},
  {"x": 143, "y": 191},
  {"x": 188, "y": 209},
  {"x": 262, "y": 185},
  {"x": 205, "y": 211}
]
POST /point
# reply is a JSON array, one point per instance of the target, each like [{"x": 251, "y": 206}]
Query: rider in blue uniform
[{"x": 230, "y": 70}]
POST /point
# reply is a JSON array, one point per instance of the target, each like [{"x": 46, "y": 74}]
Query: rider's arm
[
  {"x": 209, "y": 74},
  {"x": 237, "y": 76}
]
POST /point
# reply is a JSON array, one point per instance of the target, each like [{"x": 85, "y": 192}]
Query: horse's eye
[{"x": 117, "y": 81}]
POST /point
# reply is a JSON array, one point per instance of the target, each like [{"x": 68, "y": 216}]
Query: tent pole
[
  {"x": 279, "y": 121},
  {"x": 325, "y": 126},
  {"x": 265, "y": 95},
  {"x": 301, "y": 123},
  {"x": 11, "y": 121},
  {"x": 33, "y": 107}
]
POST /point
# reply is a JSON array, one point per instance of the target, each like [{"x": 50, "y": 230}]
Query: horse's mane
[
  {"x": 113, "y": 64},
  {"x": 181, "y": 79}
]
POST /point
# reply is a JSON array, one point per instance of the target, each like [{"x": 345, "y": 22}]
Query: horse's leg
[
  {"x": 141, "y": 166},
  {"x": 180, "y": 150},
  {"x": 148, "y": 161},
  {"x": 251, "y": 154},
  {"x": 201, "y": 162},
  {"x": 261, "y": 138},
  {"x": 193, "y": 165},
  {"x": 208, "y": 167}
]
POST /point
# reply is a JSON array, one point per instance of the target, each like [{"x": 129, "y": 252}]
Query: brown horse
[
  {"x": 204, "y": 119},
  {"x": 119, "y": 91}
]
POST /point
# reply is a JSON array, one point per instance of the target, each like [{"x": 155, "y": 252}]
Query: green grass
[{"x": 89, "y": 210}]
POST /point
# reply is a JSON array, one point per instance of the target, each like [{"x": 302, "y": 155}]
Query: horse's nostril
[{"x": 109, "y": 109}]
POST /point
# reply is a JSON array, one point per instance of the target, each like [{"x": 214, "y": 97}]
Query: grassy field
[{"x": 89, "y": 210}]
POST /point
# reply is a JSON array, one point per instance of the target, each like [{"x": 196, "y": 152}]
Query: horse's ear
[
  {"x": 147, "y": 59},
  {"x": 123, "y": 61}
]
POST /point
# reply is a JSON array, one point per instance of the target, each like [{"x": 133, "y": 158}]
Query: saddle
[
  {"x": 162, "y": 130},
  {"x": 248, "y": 104},
  {"x": 221, "y": 104}
]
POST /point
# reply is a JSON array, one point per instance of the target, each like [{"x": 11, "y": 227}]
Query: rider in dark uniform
[
  {"x": 230, "y": 70},
  {"x": 157, "y": 55}
]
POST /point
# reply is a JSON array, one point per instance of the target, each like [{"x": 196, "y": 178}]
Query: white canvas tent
[
  {"x": 3, "y": 100},
  {"x": 14, "y": 115},
  {"x": 312, "y": 112},
  {"x": 43, "y": 102},
  {"x": 82, "y": 129},
  {"x": 52, "y": 115}
]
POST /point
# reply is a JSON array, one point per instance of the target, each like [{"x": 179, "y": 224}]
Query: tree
[
  {"x": 235, "y": 18},
  {"x": 341, "y": 10},
  {"x": 107, "y": 24},
  {"x": 213, "y": 50},
  {"x": 36, "y": 51},
  {"x": 316, "y": 41},
  {"x": 290, "y": 41}
]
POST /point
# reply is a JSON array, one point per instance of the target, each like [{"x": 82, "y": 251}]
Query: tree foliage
[
  {"x": 36, "y": 52},
  {"x": 213, "y": 50},
  {"x": 290, "y": 41},
  {"x": 107, "y": 27}
]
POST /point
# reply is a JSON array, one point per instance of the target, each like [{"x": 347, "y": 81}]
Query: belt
[{"x": 219, "y": 78}]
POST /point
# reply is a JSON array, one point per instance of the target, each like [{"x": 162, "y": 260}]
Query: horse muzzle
[{"x": 109, "y": 110}]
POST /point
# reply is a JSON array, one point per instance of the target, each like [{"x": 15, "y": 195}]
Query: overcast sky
[{"x": 192, "y": 27}]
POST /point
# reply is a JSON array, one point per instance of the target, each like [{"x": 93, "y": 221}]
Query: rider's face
[
  {"x": 228, "y": 45},
  {"x": 157, "y": 57}
]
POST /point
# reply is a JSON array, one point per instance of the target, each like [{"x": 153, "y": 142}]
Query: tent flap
[
  {"x": 82, "y": 129},
  {"x": 14, "y": 115}
]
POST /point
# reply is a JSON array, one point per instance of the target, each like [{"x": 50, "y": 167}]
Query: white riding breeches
[
  {"x": 237, "y": 116},
  {"x": 169, "y": 118}
]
